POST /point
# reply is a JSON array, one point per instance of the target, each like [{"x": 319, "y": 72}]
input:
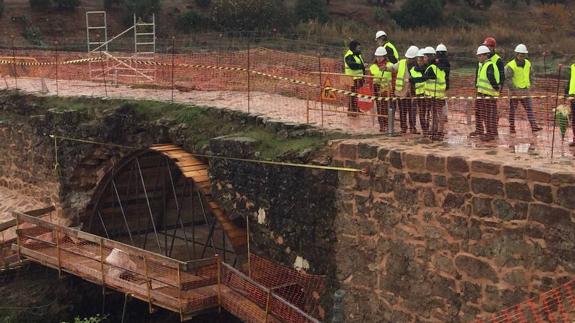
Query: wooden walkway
[
  {"x": 187, "y": 288},
  {"x": 196, "y": 171}
]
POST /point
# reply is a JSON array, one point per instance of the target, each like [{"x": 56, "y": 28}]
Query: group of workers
[{"x": 417, "y": 84}]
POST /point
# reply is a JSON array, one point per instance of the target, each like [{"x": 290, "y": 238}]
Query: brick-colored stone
[
  {"x": 566, "y": 196},
  {"x": 420, "y": 177},
  {"x": 414, "y": 161},
  {"x": 395, "y": 159},
  {"x": 435, "y": 164},
  {"x": 453, "y": 201},
  {"x": 367, "y": 151},
  {"x": 518, "y": 191},
  {"x": 348, "y": 151},
  {"x": 458, "y": 184},
  {"x": 482, "y": 206},
  {"x": 543, "y": 193},
  {"x": 487, "y": 186},
  {"x": 457, "y": 164},
  {"x": 514, "y": 172},
  {"x": 538, "y": 175},
  {"x": 440, "y": 180},
  {"x": 476, "y": 268},
  {"x": 548, "y": 215},
  {"x": 485, "y": 167},
  {"x": 562, "y": 178},
  {"x": 382, "y": 154}
]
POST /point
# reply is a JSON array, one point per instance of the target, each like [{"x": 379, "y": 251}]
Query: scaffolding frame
[{"x": 112, "y": 67}]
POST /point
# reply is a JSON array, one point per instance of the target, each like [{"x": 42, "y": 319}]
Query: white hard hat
[
  {"x": 380, "y": 51},
  {"x": 380, "y": 33},
  {"x": 441, "y": 48},
  {"x": 421, "y": 53},
  {"x": 411, "y": 52},
  {"x": 521, "y": 49},
  {"x": 429, "y": 50},
  {"x": 483, "y": 50}
]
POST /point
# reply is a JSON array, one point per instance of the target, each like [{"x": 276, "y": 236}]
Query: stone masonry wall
[{"x": 430, "y": 236}]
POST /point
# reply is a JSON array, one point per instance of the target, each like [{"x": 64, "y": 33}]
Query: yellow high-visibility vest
[
  {"x": 391, "y": 48},
  {"x": 402, "y": 68},
  {"x": 483, "y": 85},
  {"x": 521, "y": 75},
  {"x": 351, "y": 72},
  {"x": 436, "y": 88},
  {"x": 380, "y": 77},
  {"x": 419, "y": 87},
  {"x": 572, "y": 81}
]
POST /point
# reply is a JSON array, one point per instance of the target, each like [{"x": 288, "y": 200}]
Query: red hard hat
[{"x": 490, "y": 41}]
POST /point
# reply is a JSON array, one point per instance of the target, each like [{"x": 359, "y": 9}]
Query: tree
[
  {"x": 40, "y": 4},
  {"x": 67, "y": 4},
  {"x": 248, "y": 15},
  {"x": 306, "y": 10},
  {"x": 142, "y": 8},
  {"x": 418, "y": 13}
]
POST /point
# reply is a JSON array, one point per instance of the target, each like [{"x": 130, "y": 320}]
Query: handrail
[{"x": 35, "y": 213}]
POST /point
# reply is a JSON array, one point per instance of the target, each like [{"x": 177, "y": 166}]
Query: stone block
[
  {"x": 543, "y": 193},
  {"x": 367, "y": 151},
  {"x": 566, "y": 197},
  {"x": 435, "y": 164},
  {"x": 559, "y": 179},
  {"x": 348, "y": 151},
  {"x": 487, "y": 186},
  {"x": 514, "y": 172},
  {"x": 458, "y": 184},
  {"x": 518, "y": 191},
  {"x": 383, "y": 185},
  {"x": 457, "y": 164},
  {"x": 420, "y": 177},
  {"x": 548, "y": 215},
  {"x": 414, "y": 161},
  {"x": 453, "y": 201},
  {"x": 482, "y": 206},
  {"x": 395, "y": 159},
  {"x": 505, "y": 211},
  {"x": 429, "y": 198},
  {"x": 440, "y": 180},
  {"x": 517, "y": 278},
  {"x": 538, "y": 175},
  {"x": 475, "y": 267},
  {"x": 382, "y": 154},
  {"x": 485, "y": 167}
]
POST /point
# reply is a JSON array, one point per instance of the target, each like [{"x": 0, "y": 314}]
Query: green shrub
[
  {"x": 249, "y": 15},
  {"x": 191, "y": 21},
  {"x": 33, "y": 35},
  {"x": 380, "y": 15},
  {"x": 67, "y": 4},
  {"x": 466, "y": 17},
  {"x": 1, "y": 7},
  {"x": 203, "y": 3},
  {"x": 306, "y": 10},
  {"x": 419, "y": 13},
  {"x": 40, "y": 4}
]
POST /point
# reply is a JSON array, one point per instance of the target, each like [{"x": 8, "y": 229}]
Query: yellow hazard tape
[{"x": 275, "y": 77}]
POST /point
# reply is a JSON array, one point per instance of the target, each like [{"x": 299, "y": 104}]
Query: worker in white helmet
[
  {"x": 488, "y": 85},
  {"x": 518, "y": 71},
  {"x": 392, "y": 54},
  {"x": 418, "y": 89},
  {"x": 443, "y": 63},
  {"x": 434, "y": 79},
  {"x": 570, "y": 96},
  {"x": 404, "y": 91},
  {"x": 382, "y": 85}
]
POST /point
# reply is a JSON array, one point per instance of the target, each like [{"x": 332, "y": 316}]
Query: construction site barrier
[{"x": 181, "y": 287}]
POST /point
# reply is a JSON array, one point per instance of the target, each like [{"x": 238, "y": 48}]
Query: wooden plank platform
[{"x": 197, "y": 171}]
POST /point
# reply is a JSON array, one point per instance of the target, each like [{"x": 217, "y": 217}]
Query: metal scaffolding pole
[
  {"x": 122, "y": 210},
  {"x": 148, "y": 203},
  {"x": 210, "y": 236},
  {"x": 179, "y": 207}
]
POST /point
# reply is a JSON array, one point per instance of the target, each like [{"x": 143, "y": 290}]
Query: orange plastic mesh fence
[
  {"x": 297, "y": 288},
  {"x": 555, "y": 305}
]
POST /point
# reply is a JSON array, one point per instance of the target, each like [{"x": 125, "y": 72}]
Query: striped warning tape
[{"x": 275, "y": 77}]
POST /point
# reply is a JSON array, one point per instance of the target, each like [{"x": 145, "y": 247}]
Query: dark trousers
[
  {"x": 526, "y": 102},
  {"x": 486, "y": 115},
  {"x": 437, "y": 116},
  {"x": 357, "y": 83},
  {"x": 573, "y": 118},
  {"x": 423, "y": 114},
  {"x": 382, "y": 107},
  {"x": 407, "y": 111},
  {"x": 428, "y": 104}
]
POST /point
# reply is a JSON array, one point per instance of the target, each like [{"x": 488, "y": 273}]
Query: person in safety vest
[
  {"x": 392, "y": 53},
  {"x": 491, "y": 43},
  {"x": 382, "y": 86},
  {"x": 355, "y": 68},
  {"x": 444, "y": 65},
  {"x": 488, "y": 85},
  {"x": 404, "y": 91},
  {"x": 570, "y": 94},
  {"x": 435, "y": 86},
  {"x": 519, "y": 72},
  {"x": 418, "y": 89}
]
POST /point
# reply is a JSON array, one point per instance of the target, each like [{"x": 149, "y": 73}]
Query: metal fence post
[
  {"x": 249, "y": 76},
  {"x": 173, "y": 56},
  {"x": 14, "y": 63},
  {"x": 555, "y": 110},
  {"x": 321, "y": 89},
  {"x": 57, "y": 67},
  {"x": 338, "y": 316},
  {"x": 148, "y": 284},
  {"x": 390, "y": 115}
]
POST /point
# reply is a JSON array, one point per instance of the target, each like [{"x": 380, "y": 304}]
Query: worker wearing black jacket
[{"x": 355, "y": 68}]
